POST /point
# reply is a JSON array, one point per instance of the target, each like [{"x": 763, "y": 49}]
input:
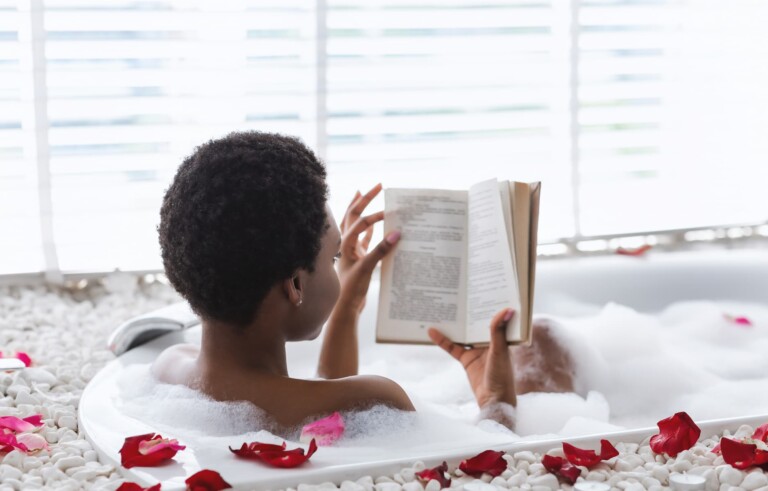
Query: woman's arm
[
  {"x": 339, "y": 353},
  {"x": 489, "y": 370}
]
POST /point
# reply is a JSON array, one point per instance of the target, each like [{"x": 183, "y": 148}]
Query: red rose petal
[
  {"x": 638, "y": 251},
  {"x": 275, "y": 455},
  {"x": 436, "y": 473},
  {"x": 739, "y": 455},
  {"x": 156, "y": 450},
  {"x": 676, "y": 433},
  {"x": 206, "y": 480},
  {"x": 561, "y": 467},
  {"x": 132, "y": 486},
  {"x": 589, "y": 458},
  {"x": 488, "y": 461},
  {"x": 761, "y": 433}
]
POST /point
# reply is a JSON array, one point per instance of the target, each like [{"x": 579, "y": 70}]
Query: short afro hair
[{"x": 242, "y": 213}]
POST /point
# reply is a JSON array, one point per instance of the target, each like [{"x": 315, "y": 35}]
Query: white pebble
[
  {"x": 26, "y": 398},
  {"x": 351, "y": 486},
  {"x": 518, "y": 479},
  {"x": 526, "y": 456},
  {"x": 366, "y": 482},
  {"x": 595, "y": 476},
  {"x": 84, "y": 474},
  {"x": 628, "y": 463},
  {"x": 68, "y": 421},
  {"x": 754, "y": 480},
  {"x": 32, "y": 481},
  {"x": 681, "y": 466},
  {"x": 30, "y": 463},
  {"x": 382, "y": 479},
  {"x": 9, "y": 472},
  {"x": 432, "y": 485},
  {"x": 52, "y": 474},
  {"x": 67, "y": 462},
  {"x": 14, "y": 458},
  {"x": 90, "y": 456},
  {"x": 13, "y": 483},
  {"x": 413, "y": 486},
  {"x": 731, "y": 476},
  {"x": 499, "y": 482},
  {"x": 66, "y": 435},
  {"x": 661, "y": 473},
  {"x": 393, "y": 486},
  {"x": 408, "y": 474},
  {"x": 547, "y": 480},
  {"x": 649, "y": 481},
  {"x": 40, "y": 376}
]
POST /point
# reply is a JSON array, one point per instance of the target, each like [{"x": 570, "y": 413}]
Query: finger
[
  {"x": 364, "y": 223},
  {"x": 344, "y": 220},
  {"x": 499, "y": 325},
  {"x": 359, "y": 206},
  {"x": 382, "y": 249},
  {"x": 440, "y": 339},
  {"x": 367, "y": 238}
]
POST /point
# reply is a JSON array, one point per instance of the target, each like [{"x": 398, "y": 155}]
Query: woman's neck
[{"x": 254, "y": 348}]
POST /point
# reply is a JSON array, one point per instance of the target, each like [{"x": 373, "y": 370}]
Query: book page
[
  {"x": 423, "y": 281},
  {"x": 521, "y": 218},
  {"x": 491, "y": 284}
]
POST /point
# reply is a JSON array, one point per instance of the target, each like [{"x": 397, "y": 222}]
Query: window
[
  {"x": 638, "y": 115},
  {"x": 21, "y": 248}
]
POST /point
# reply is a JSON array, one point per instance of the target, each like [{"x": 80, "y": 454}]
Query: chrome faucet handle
[{"x": 146, "y": 327}]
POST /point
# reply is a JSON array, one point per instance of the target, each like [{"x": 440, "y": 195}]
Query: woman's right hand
[
  {"x": 489, "y": 369},
  {"x": 357, "y": 263}
]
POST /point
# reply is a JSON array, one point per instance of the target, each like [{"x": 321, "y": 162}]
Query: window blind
[
  {"x": 20, "y": 238},
  {"x": 133, "y": 86},
  {"x": 638, "y": 115},
  {"x": 672, "y": 100},
  {"x": 443, "y": 94}
]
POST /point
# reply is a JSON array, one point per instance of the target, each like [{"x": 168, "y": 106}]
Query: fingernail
[
  {"x": 508, "y": 315},
  {"x": 393, "y": 237}
]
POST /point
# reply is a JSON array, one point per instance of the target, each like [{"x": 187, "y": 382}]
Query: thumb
[
  {"x": 382, "y": 249},
  {"x": 499, "y": 325}
]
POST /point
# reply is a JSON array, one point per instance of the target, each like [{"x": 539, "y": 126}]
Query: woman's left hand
[{"x": 356, "y": 264}]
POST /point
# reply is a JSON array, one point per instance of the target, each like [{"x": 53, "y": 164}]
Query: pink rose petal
[
  {"x": 325, "y": 431},
  {"x": 33, "y": 442},
  {"x": 147, "y": 447},
  {"x": 9, "y": 442},
  {"x": 24, "y": 358},
  {"x": 20, "y": 425},
  {"x": 739, "y": 320}
]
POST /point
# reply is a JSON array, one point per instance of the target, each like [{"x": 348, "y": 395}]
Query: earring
[{"x": 298, "y": 304}]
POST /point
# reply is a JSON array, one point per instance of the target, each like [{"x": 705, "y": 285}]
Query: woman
[{"x": 248, "y": 239}]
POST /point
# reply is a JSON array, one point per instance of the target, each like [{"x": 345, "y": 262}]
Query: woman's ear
[{"x": 294, "y": 289}]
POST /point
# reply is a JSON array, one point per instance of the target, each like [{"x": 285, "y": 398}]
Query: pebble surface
[{"x": 65, "y": 332}]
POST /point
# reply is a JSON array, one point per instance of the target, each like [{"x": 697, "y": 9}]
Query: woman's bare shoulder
[{"x": 357, "y": 391}]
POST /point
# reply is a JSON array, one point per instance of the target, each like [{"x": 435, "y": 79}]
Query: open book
[{"x": 462, "y": 257}]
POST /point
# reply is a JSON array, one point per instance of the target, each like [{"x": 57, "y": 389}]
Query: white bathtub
[{"x": 564, "y": 287}]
